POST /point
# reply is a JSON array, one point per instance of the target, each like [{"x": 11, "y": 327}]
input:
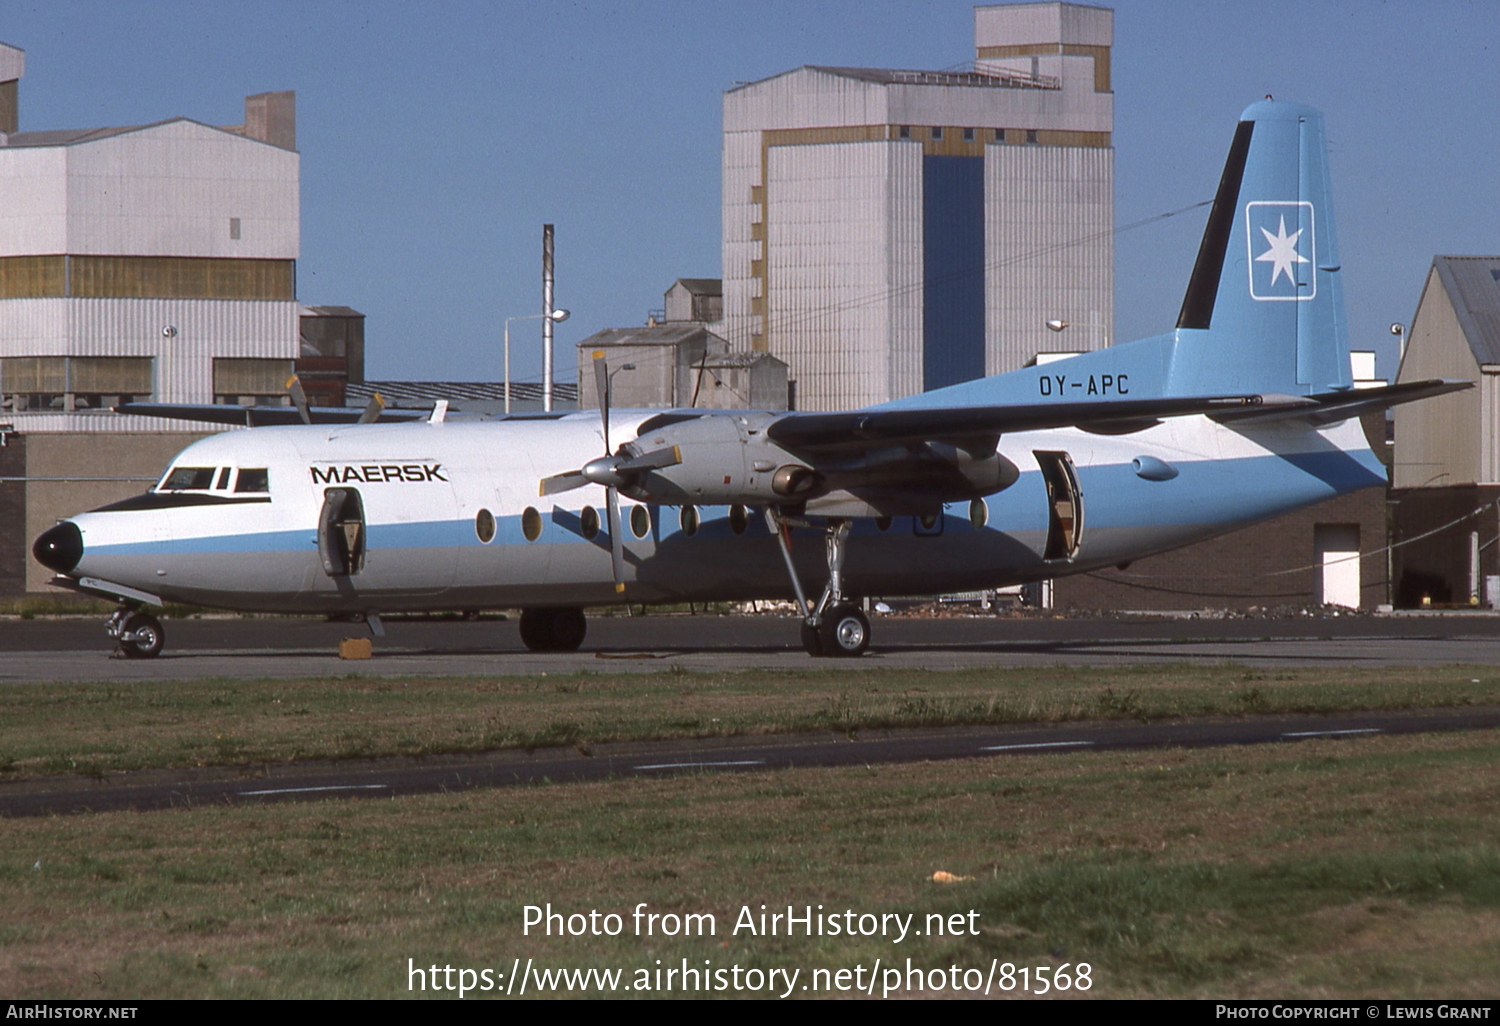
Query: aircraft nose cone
[{"x": 59, "y": 548}]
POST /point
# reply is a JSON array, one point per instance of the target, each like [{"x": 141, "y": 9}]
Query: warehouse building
[
  {"x": 1447, "y": 466},
  {"x": 893, "y": 231},
  {"x": 143, "y": 262}
]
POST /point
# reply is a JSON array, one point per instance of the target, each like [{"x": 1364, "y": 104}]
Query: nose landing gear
[{"x": 140, "y": 635}]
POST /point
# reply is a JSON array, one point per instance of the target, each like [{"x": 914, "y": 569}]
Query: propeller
[
  {"x": 293, "y": 387},
  {"x": 612, "y": 471},
  {"x": 373, "y": 409}
]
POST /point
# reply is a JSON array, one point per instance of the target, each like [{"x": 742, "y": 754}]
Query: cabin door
[
  {"x": 1064, "y": 505},
  {"x": 341, "y": 532}
]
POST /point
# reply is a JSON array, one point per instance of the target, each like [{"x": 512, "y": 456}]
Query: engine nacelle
[{"x": 727, "y": 459}]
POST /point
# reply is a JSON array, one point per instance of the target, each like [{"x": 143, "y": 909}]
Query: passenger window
[
  {"x": 253, "y": 479},
  {"x": 189, "y": 478}
]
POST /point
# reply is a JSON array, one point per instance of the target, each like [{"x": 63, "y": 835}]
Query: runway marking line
[
  {"x": 304, "y": 790},
  {"x": 1043, "y": 744},
  {"x": 694, "y": 765},
  {"x": 1331, "y": 733}
]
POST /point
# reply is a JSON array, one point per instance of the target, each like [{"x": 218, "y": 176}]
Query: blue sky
[{"x": 437, "y": 138}]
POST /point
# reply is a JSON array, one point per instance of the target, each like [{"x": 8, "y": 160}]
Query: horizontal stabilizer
[{"x": 1328, "y": 407}]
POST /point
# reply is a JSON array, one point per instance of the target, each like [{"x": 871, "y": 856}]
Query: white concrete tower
[{"x": 891, "y": 231}]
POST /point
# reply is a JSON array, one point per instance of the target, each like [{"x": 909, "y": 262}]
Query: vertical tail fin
[{"x": 1264, "y": 310}]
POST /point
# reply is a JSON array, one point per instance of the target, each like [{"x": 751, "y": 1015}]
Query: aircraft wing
[
  {"x": 262, "y": 416},
  {"x": 860, "y": 429}
]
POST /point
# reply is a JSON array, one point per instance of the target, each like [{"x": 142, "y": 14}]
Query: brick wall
[
  {"x": 1438, "y": 566},
  {"x": 14, "y": 545},
  {"x": 1233, "y": 570}
]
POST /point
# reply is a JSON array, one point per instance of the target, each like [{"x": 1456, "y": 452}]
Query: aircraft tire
[
  {"x": 845, "y": 631},
  {"x": 553, "y": 630},
  {"x": 812, "y": 641},
  {"x": 149, "y": 637},
  {"x": 569, "y": 628}
]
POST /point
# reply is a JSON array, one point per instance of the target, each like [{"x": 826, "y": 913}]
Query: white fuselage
[{"x": 450, "y": 518}]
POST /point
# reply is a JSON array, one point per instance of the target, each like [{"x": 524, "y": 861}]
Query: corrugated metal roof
[
  {"x": 738, "y": 359},
  {"x": 990, "y": 78},
  {"x": 1473, "y": 285},
  {"x": 331, "y": 311},
  {"x": 703, "y": 286},
  {"x": 912, "y": 76},
  {"x": 670, "y": 334},
  {"x": 357, "y": 394},
  {"x": 65, "y": 136},
  {"x": 76, "y": 136}
]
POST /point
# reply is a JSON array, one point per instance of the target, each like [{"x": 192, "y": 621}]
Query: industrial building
[
  {"x": 893, "y": 231},
  {"x": 1447, "y": 466},
  {"x": 142, "y": 262},
  {"x": 679, "y": 360}
]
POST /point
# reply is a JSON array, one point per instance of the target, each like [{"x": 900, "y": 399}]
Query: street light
[
  {"x": 1057, "y": 324},
  {"x": 609, "y": 383},
  {"x": 557, "y": 316}
]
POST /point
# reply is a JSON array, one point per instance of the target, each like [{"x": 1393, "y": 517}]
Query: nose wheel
[{"x": 139, "y": 635}]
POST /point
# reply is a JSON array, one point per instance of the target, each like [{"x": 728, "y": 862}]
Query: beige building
[{"x": 1447, "y": 452}]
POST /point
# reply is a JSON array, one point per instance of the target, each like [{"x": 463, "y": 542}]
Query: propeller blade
[
  {"x": 601, "y": 383},
  {"x": 373, "y": 410},
  {"x": 299, "y": 398},
  {"x": 564, "y": 482},
  {"x": 657, "y": 459},
  {"x": 616, "y": 540}
]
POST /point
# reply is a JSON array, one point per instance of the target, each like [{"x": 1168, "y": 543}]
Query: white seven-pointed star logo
[{"x": 1283, "y": 252}]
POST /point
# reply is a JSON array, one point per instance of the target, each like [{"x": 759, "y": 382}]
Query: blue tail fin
[{"x": 1264, "y": 310}]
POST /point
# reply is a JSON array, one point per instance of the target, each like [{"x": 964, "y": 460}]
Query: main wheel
[
  {"x": 845, "y": 631},
  {"x": 812, "y": 643},
  {"x": 142, "y": 637},
  {"x": 553, "y": 630},
  {"x": 569, "y": 627}
]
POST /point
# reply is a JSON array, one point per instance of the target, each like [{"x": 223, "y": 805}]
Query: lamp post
[
  {"x": 609, "y": 383},
  {"x": 1057, "y": 324},
  {"x": 557, "y": 317}
]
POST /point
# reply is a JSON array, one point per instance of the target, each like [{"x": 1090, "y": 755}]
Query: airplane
[{"x": 1244, "y": 411}]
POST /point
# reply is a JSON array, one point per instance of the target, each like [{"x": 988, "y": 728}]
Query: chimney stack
[
  {"x": 272, "y": 118},
  {"x": 12, "y": 67}
]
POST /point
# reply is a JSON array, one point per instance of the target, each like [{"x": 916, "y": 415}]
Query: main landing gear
[
  {"x": 835, "y": 626},
  {"x": 553, "y": 630},
  {"x": 140, "y": 635}
]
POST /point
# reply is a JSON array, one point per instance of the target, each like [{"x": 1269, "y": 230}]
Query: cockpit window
[
  {"x": 253, "y": 479},
  {"x": 188, "y": 478},
  {"x": 223, "y": 480}
]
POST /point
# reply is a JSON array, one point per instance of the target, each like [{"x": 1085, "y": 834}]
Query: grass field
[
  {"x": 98, "y": 728},
  {"x": 1367, "y": 867},
  {"x": 1364, "y": 868}
]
